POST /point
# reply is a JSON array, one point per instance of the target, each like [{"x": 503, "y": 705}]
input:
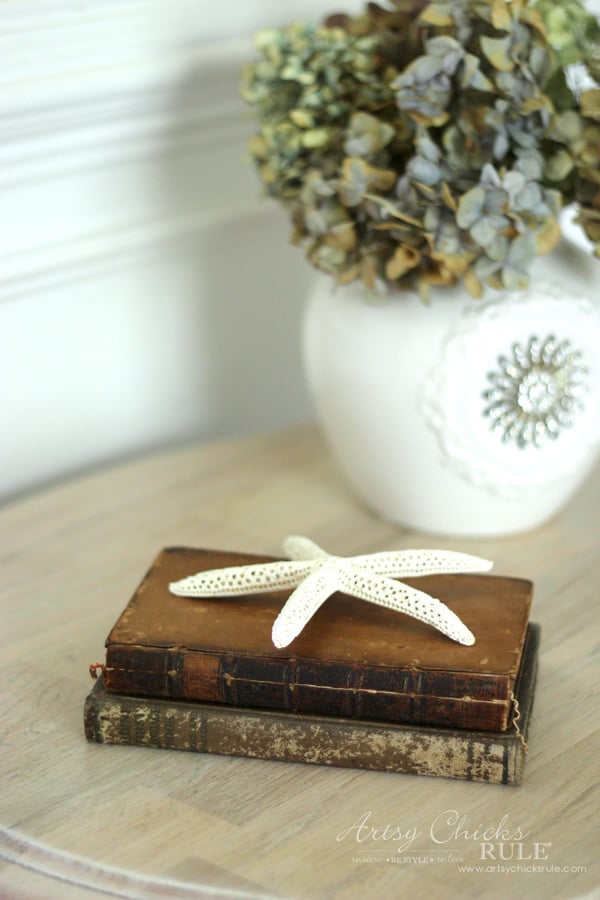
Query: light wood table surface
[{"x": 87, "y": 820}]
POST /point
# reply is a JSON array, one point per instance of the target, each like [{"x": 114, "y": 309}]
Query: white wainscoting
[{"x": 149, "y": 295}]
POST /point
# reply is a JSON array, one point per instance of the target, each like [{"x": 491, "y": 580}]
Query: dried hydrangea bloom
[{"x": 430, "y": 141}]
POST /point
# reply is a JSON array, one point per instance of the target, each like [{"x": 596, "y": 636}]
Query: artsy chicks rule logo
[{"x": 449, "y": 834}]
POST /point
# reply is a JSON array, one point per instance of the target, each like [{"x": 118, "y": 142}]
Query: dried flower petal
[{"x": 432, "y": 140}]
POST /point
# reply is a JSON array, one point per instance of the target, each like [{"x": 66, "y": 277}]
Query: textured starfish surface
[{"x": 316, "y": 575}]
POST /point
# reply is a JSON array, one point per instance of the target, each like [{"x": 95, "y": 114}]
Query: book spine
[
  {"x": 120, "y": 719},
  {"x": 284, "y": 684},
  {"x": 165, "y": 672},
  {"x": 361, "y": 704}
]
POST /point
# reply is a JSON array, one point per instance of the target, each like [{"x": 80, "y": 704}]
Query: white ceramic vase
[{"x": 462, "y": 417}]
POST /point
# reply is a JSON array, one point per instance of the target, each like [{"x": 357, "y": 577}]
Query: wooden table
[{"x": 83, "y": 819}]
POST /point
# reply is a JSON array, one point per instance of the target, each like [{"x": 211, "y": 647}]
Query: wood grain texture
[{"x": 83, "y": 820}]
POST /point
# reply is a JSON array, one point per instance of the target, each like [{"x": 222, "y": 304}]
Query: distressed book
[
  {"x": 353, "y": 659},
  {"x": 323, "y": 740}
]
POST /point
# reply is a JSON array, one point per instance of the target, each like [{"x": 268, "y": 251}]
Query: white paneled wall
[{"x": 148, "y": 295}]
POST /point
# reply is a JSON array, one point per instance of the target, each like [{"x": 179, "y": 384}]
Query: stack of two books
[{"x": 362, "y": 686}]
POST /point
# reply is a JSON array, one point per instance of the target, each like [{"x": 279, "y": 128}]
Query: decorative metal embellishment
[{"x": 536, "y": 393}]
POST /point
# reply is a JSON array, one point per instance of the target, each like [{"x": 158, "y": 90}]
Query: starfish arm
[
  {"x": 400, "y": 597},
  {"x": 412, "y": 563},
  {"x": 297, "y": 547},
  {"x": 234, "y": 581},
  {"x": 303, "y": 603}
]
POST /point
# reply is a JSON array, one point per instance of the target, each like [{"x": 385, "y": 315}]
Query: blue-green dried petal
[{"x": 470, "y": 207}]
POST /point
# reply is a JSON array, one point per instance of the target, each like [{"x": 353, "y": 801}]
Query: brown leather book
[
  {"x": 353, "y": 659},
  {"x": 285, "y": 736}
]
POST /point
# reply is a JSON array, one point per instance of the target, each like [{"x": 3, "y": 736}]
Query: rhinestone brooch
[{"x": 535, "y": 393}]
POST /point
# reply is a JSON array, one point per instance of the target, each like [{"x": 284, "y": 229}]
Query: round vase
[{"x": 461, "y": 416}]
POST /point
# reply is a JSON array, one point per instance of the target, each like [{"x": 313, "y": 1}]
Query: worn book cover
[
  {"x": 353, "y": 659},
  {"x": 324, "y": 740}
]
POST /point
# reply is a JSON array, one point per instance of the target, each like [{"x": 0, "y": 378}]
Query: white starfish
[{"x": 316, "y": 575}]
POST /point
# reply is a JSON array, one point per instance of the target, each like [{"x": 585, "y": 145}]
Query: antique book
[
  {"x": 353, "y": 659},
  {"x": 324, "y": 740}
]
